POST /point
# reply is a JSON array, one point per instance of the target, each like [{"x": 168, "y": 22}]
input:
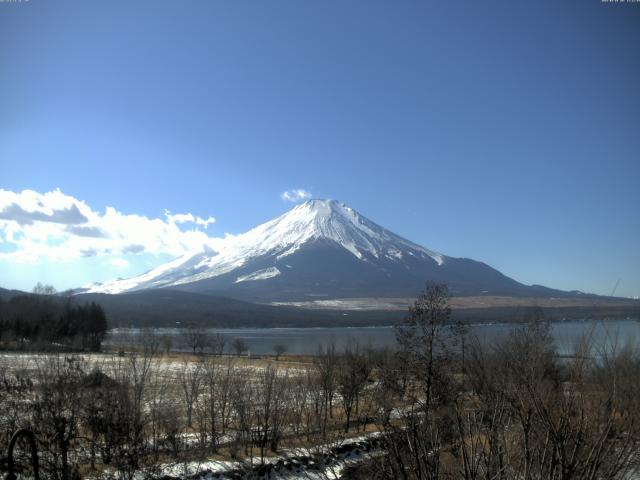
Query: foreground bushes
[{"x": 512, "y": 409}]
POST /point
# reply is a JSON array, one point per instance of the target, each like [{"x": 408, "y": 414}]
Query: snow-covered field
[{"x": 323, "y": 462}]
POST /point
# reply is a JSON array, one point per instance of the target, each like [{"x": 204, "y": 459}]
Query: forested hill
[
  {"x": 6, "y": 294},
  {"x": 173, "y": 308}
]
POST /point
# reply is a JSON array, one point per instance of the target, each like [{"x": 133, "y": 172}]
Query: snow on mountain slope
[
  {"x": 259, "y": 275},
  {"x": 328, "y": 221}
]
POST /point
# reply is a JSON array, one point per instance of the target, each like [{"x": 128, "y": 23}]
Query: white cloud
[
  {"x": 295, "y": 195},
  {"x": 119, "y": 262},
  {"x": 188, "y": 218},
  {"x": 59, "y": 227}
]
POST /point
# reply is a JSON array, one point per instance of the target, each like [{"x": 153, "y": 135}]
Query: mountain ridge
[{"x": 322, "y": 248}]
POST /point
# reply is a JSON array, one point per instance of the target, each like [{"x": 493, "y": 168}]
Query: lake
[{"x": 306, "y": 340}]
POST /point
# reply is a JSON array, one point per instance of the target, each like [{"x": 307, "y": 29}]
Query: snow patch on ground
[{"x": 351, "y": 304}]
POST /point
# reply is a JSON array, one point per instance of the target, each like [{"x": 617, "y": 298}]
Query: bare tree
[
  {"x": 214, "y": 398},
  {"x": 57, "y": 409},
  {"x": 41, "y": 289},
  {"x": 158, "y": 403},
  {"x": 426, "y": 340},
  {"x": 190, "y": 381},
  {"x": 223, "y": 397},
  {"x": 239, "y": 346},
  {"x": 216, "y": 344},
  {"x": 279, "y": 349},
  {"x": 539, "y": 417},
  {"x": 242, "y": 401},
  {"x": 270, "y": 409},
  {"x": 126, "y": 430},
  {"x": 353, "y": 374},
  {"x": 326, "y": 362},
  {"x": 195, "y": 338},
  {"x": 166, "y": 343}
]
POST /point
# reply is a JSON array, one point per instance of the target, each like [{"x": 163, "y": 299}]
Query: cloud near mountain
[
  {"x": 296, "y": 195},
  {"x": 60, "y": 227}
]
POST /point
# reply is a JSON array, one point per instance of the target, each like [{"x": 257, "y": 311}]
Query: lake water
[{"x": 307, "y": 340}]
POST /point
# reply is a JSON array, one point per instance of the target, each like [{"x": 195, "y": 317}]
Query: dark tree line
[{"x": 44, "y": 319}]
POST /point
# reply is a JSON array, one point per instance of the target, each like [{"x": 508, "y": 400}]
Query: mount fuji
[{"x": 321, "y": 249}]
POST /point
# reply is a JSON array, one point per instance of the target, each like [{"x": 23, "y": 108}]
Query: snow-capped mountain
[{"x": 318, "y": 249}]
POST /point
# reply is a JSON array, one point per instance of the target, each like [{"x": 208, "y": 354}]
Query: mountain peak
[
  {"x": 320, "y": 202},
  {"x": 322, "y": 206},
  {"x": 329, "y": 220}
]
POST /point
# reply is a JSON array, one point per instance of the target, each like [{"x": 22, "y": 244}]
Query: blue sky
[{"x": 507, "y": 132}]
